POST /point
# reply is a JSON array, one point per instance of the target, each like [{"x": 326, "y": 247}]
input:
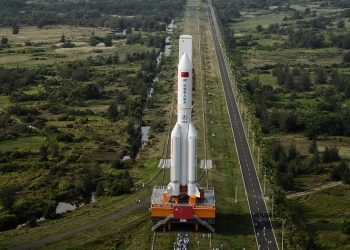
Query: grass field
[
  {"x": 323, "y": 212},
  {"x": 46, "y": 45}
]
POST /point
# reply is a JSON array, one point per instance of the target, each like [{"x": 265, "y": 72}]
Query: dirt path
[
  {"x": 136, "y": 206},
  {"x": 314, "y": 189}
]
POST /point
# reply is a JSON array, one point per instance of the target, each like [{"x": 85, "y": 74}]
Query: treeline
[
  {"x": 144, "y": 14},
  {"x": 287, "y": 164},
  {"x": 265, "y": 4},
  {"x": 283, "y": 165},
  {"x": 12, "y": 80},
  {"x": 327, "y": 117}
]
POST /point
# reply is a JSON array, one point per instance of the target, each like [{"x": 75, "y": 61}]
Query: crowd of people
[{"x": 182, "y": 243}]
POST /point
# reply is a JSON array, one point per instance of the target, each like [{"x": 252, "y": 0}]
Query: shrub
[
  {"x": 32, "y": 222},
  {"x": 345, "y": 226},
  {"x": 50, "y": 211},
  {"x": 7, "y": 221},
  {"x": 330, "y": 154},
  {"x": 118, "y": 164},
  {"x": 65, "y": 137}
]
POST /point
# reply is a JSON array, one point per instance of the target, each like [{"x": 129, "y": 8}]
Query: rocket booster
[{"x": 184, "y": 136}]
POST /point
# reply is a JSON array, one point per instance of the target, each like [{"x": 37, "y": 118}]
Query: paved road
[
  {"x": 140, "y": 205},
  {"x": 263, "y": 229}
]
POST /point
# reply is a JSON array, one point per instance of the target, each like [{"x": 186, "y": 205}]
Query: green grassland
[
  {"x": 323, "y": 212},
  {"x": 46, "y": 47}
]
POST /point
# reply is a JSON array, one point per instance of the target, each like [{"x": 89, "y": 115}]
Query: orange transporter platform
[{"x": 180, "y": 210}]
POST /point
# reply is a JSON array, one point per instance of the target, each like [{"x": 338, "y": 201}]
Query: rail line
[
  {"x": 106, "y": 232},
  {"x": 16, "y": 238},
  {"x": 192, "y": 8}
]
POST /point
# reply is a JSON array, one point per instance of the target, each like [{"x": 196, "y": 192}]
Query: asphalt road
[{"x": 263, "y": 229}]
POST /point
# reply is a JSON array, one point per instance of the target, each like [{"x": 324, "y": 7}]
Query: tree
[
  {"x": 346, "y": 57},
  {"x": 344, "y": 172},
  {"x": 15, "y": 28},
  {"x": 32, "y": 222},
  {"x": 118, "y": 164},
  {"x": 90, "y": 179},
  {"x": 94, "y": 40},
  {"x": 314, "y": 161},
  {"x": 341, "y": 172},
  {"x": 135, "y": 107},
  {"x": 313, "y": 147},
  {"x": 259, "y": 28},
  {"x": 330, "y": 154},
  {"x": 130, "y": 128},
  {"x": 292, "y": 151},
  {"x": 68, "y": 44},
  {"x": 335, "y": 77},
  {"x": 7, "y": 197},
  {"x": 63, "y": 38},
  {"x": 99, "y": 189},
  {"x": 115, "y": 58},
  {"x": 134, "y": 149},
  {"x": 321, "y": 122},
  {"x": 345, "y": 226},
  {"x": 55, "y": 150},
  {"x": 231, "y": 40},
  {"x": 4, "y": 40},
  {"x": 112, "y": 112},
  {"x": 345, "y": 42},
  {"x": 108, "y": 41},
  {"x": 304, "y": 83},
  {"x": 289, "y": 121},
  {"x": 43, "y": 153},
  {"x": 341, "y": 24},
  {"x": 7, "y": 220},
  {"x": 321, "y": 77},
  {"x": 288, "y": 182},
  {"x": 50, "y": 211}
]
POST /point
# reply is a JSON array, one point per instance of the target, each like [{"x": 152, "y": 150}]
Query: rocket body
[{"x": 184, "y": 136}]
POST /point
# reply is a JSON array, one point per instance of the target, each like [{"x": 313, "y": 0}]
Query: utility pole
[
  {"x": 236, "y": 195},
  {"x": 265, "y": 181}
]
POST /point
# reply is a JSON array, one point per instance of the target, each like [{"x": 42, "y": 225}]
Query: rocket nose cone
[{"x": 185, "y": 62}]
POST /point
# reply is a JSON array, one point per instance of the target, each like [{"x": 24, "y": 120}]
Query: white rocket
[{"x": 183, "y": 167}]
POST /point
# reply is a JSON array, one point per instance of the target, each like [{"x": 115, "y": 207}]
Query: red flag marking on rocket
[{"x": 184, "y": 74}]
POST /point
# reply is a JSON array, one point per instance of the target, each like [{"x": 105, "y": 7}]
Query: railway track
[{"x": 192, "y": 9}]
